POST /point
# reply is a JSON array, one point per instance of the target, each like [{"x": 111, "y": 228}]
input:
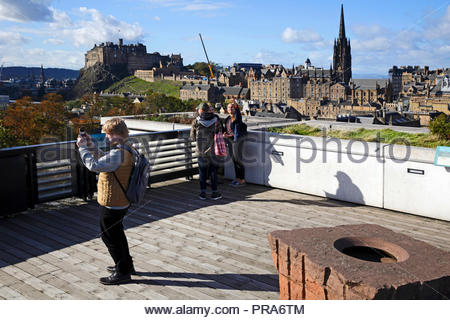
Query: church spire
[
  {"x": 42, "y": 76},
  {"x": 342, "y": 59},
  {"x": 342, "y": 26}
]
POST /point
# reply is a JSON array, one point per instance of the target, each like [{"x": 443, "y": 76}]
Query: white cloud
[
  {"x": 25, "y": 10},
  {"x": 49, "y": 58},
  {"x": 288, "y": 58},
  {"x": 156, "y": 18},
  {"x": 54, "y": 41},
  {"x": 301, "y": 36},
  {"x": 12, "y": 39},
  {"x": 60, "y": 19},
  {"x": 439, "y": 28},
  {"x": 374, "y": 44},
  {"x": 376, "y": 49},
  {"x": 96, "y": 27},
  {"x": 196, "y": 5},
  {"x": 167, "y": 3},
  {"x": 205, "y": 6},
  {"x": 90, "y": 27}
]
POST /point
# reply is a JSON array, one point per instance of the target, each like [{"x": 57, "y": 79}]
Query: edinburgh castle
[
  {"x": 134, "y": 56},
  {"x": 110, "y": 62}
]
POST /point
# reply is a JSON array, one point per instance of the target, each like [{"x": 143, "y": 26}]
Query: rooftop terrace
[{"x": 183, "y": 248}]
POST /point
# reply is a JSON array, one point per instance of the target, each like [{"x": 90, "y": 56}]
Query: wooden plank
[
  {"x": 7, "y": 293},
  {"x": 183, "y": 248}
]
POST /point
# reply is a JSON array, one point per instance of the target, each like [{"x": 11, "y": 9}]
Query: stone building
[
  {"x": 235, "y": 92},
  {"x": 213, "y": 93},
  {"x": 232, "y": 78},
  {"x": 204, "y": 92},
  {"x": 436, "y": 100},
  {"x": 169, "y": 72},
  {"x": 339, "y": 92},
  {"x": 368, "y": 91},
  {"x": 409, "y": 80},
  {"x": 277, "y": 90},
  {"x": 317, "y": 89},
  {"x": 134, "y": 56},
  {"x": 316, "y": 109},
  {"x": 328, "y": 109}
]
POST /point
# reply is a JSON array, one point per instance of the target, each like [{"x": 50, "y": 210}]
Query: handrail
[{"x": 52, "y": 171}]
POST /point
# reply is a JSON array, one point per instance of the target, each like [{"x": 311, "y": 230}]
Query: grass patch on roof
[{"x": 388, "y": 136}]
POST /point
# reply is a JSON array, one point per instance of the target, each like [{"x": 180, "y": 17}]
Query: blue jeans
[{"x": 207, "y": 168}]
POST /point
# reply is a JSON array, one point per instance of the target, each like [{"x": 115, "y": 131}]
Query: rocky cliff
[{"x": 97, "y": 78}]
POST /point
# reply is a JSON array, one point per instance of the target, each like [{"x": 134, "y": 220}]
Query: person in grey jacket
[
  {"x": 113, "y": 167},
  {"x": 202, "y": 131}
]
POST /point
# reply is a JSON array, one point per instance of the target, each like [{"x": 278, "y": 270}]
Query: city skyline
[{"x": 58, "y": 33}]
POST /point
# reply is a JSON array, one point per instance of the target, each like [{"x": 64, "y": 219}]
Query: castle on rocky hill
[{"x": 134, "y": 56}]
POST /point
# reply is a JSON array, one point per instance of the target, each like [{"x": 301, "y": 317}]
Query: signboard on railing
[{"x": 442, "y": 157}]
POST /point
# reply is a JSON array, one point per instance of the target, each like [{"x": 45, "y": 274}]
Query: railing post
[
  {"x": 86, "y": 180},
  {"x": 32, "y": 179},
  {"x": 74, "y": 169},
  {"x": 188, "y": 156}
]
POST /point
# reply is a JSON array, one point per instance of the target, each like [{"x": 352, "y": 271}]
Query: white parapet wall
[
  {"x": 387, "y": 176},
  {"x": 394, "y": 177},
  {"x": 417, "y": 186},
  {"x": 135, "y": 125}
]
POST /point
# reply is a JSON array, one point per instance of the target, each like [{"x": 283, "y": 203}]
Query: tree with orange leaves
[{"x": 28, "y": 123}]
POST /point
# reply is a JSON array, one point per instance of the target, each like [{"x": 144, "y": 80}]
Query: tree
[
  {"x": 28, "y": 123},
  {"x": 440, "y": 126},
  {"x": 17, "y": 120},
  {"x": 202, "y": 68},
  {"x": 7, "y": 138},
  {"x": 50, "y": 117}
]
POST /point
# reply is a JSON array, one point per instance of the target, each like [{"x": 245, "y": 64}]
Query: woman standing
[
  {"x": 235, "y": 129},
  {"x": 203, "y": 129}
]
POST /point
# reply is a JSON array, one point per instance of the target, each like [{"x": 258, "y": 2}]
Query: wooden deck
[{"x": 183, "y": 248}]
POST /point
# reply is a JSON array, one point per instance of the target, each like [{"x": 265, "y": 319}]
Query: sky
[{"x": 57, "y": 33}]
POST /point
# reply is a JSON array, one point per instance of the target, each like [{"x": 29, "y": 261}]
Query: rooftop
[
  {"x": 183, "y": 248},
  {"x": 369, "y": 84}
]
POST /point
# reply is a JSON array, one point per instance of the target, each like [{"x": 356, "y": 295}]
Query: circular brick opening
[{"x": 371, "y": 249}]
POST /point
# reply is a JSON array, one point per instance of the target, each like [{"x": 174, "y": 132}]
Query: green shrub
[{"x": 440, "y": 126}]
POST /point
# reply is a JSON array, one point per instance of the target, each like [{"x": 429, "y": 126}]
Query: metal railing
[{"x": 40, "y": 173}]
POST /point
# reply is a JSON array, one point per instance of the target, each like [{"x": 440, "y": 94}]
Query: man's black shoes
[
  {"x": 116, "y": 278},
  {"x": 216, "y": 195},
  {"x": 112, "y": 269}
]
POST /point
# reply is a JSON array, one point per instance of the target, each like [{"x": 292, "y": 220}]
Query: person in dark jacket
[
  {"x": 235, "y": 129},
  {"x": 203, "y": 129}
]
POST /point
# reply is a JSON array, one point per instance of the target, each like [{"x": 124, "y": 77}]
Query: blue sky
[{"x": 57, "y": 33}]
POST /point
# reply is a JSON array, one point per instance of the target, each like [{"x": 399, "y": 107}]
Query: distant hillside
[
  {"x": 24, "y": 72},
  {"x": 138, "y": 86}
]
